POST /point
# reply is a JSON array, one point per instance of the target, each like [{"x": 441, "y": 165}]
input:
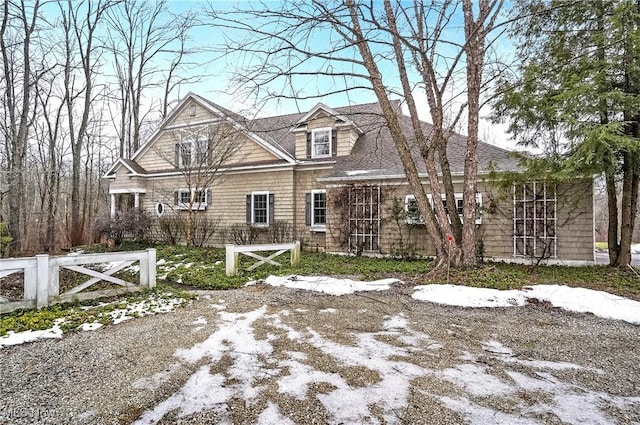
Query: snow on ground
[
  {"x": 328, "y": 285},
  {"x": 599, "y": 303},
  {"x": 15, "y": 338},
  {"x": 252, "y": 356},
  {"x": 152, "y": 305}
]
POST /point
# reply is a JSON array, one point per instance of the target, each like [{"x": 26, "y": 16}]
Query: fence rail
[
  {"x": 233, "y": 251},
  {"x": 42, "y": 277}
]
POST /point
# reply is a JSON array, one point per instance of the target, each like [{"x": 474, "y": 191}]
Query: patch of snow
[
  {"x": 635, "y": 248},
  {"x": 134, "y": 309},
  {"x": 156, "y": 380},
  {"x": 271, "y": 415},
  {"x": 395, "y": 323},
  {"x": 218, "y": 306},
  {"x": 15, "y": 338},
  {"x": 479, "y": 415},
  {"x": 465, "y": 296},
  {"x": 570, "y": 403},
  {"x": 328, "y": 285},
  {"x": 476, "y": 381},
  {"x": 202, "y": 391},
  {"x": 301, "y": 375},
  {"x": 200, "y": 321},
  {"x": 580, "y": 300},
  {"x": 90, "y": 326}
]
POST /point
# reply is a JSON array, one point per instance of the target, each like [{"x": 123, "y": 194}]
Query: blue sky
[{"x": 217, "y": 72}]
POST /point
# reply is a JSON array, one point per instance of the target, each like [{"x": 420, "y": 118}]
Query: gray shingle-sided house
[{"x": 332, "y": 178}]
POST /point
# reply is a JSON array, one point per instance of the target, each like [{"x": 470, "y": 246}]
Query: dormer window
[
  {"x": 192, "y": 153},
  {"x": 321, "y": 142}
]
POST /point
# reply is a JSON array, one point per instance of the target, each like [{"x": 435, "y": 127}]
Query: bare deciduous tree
[
  {"x": 142, "y": 33},
  {"x": 17, "y": 31},
  {"x": 80, "y": 22},
  {"x": 390, "y": 49},
  {"x": 200, "y": 154}
]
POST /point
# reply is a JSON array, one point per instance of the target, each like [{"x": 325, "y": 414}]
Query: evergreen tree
[{"x": 576, "y": 98}]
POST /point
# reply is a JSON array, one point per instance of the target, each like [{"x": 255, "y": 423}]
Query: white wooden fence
[
  {"x": 42, "y": 277},
  {"x": 250, "y": 250}
]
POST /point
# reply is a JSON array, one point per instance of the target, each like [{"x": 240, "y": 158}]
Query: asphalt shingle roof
[{"x": 375, "y": 154}]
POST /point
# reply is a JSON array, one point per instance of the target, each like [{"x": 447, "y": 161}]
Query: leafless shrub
[
  {"x": 204, "y": 230},
  {"x": 134, "y": 224},
  {"x": 280, "y": 232}
]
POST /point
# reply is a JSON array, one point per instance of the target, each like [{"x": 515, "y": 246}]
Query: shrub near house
[{"x": 332, "y": 175}]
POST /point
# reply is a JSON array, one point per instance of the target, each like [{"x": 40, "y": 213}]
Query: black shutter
[
  {"x": 175, "y": 197},
  {"x": 177, "y": 159},
  {"x": 248, "y": 209},
  {"x": 307, "y": 209},
  {"x": 209, "y": 151},
  {"x": 308, "y": 145},
  {"x": 334, "y": 142},
  {"x": 207, "y": 197},
  {"x": 271, "y": 208}
]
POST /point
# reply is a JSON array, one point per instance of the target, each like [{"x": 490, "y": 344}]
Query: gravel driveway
[{"x": 276, "y": 355}]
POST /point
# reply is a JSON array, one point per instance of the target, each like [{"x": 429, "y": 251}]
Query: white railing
[
  {"x": 250, "y": 250},
  {"x": 42, "y": 277}
]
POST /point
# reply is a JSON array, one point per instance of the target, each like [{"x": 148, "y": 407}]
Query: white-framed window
[
  {"x": 260, "y": 209},
  {"x": 192, "y": 110},
  {"x": 413, "y": 214},
  {"x": 192, "y": 153},
  {"x": 183, "y": 198},
  {"x": 321, "y": 142},
  {"x": 411, "y": 211},
  {"x": 315, "y": 210}
]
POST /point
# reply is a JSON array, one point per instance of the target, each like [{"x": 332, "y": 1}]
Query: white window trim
[
  {"x": 313, "y": 142},
  {"x": 411, "y": 220},
  {"x": 253, "y": 210},
  {"x": 458, "y": 197},
  {"x": 318, "y": 227},
  {"x": 158, "y": 207},
  {"x": 197, "y": 206},
  {"x": 194, "y": 153}
]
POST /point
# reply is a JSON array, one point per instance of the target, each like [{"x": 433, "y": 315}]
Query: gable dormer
[{"x": 324, "y": 133}]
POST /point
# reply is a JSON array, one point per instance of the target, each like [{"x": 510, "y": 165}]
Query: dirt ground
[{"x": 276, "y": 355}]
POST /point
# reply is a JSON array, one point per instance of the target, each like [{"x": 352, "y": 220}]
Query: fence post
[
  {"x": 31, "y": 282},
  {"x": 295, "y": 253},
  {"x": 144, "y": 268},
  {"x": 42, "y": 281},
  {"x": 231, "y": 260},
  {"x": 151, "y": 274}
]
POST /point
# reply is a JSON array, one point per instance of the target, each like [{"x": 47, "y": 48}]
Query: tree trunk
[{"x": 628, "y": 209}]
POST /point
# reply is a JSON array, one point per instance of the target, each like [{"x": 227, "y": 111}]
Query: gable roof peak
[{"x": 322, "y": 107}]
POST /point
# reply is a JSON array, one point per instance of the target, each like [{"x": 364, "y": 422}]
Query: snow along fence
[
  {"x": 42, "y": 277},
  {"x": 250, "y": 250}
]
